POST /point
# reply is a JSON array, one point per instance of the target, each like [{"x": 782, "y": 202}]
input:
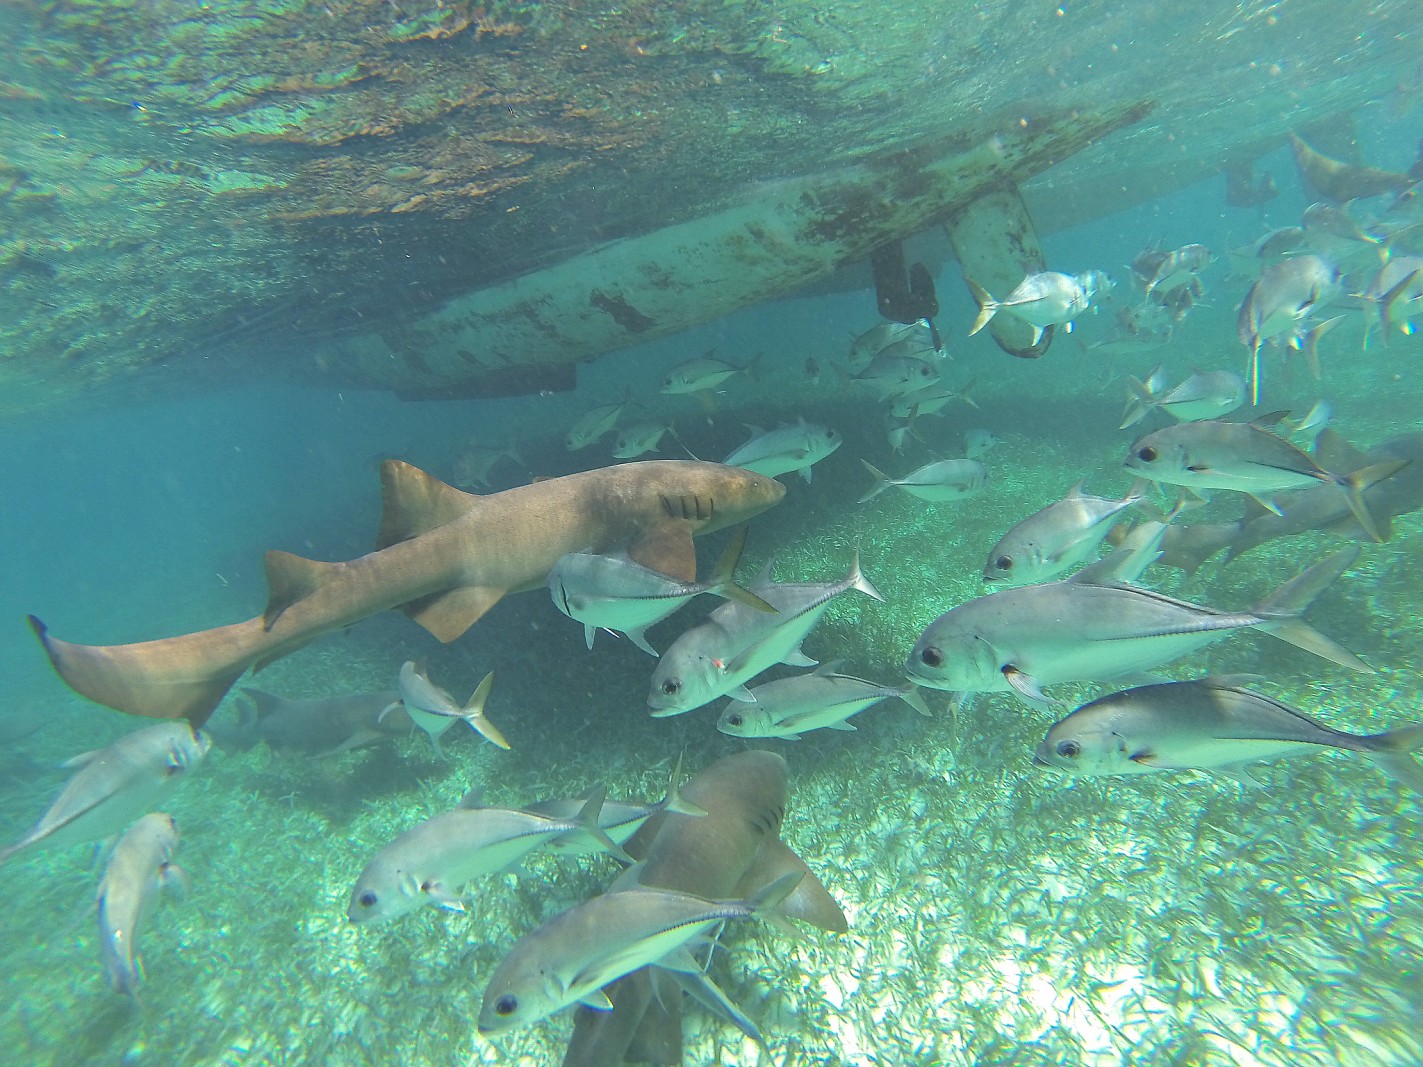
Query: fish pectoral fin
[
  {"x": 667, "y": 547},
  {"x": 1268, "y": 505},
  {"x": 1026, "y": 686},
  {"x": 841, "y": 725},
  {"x": 597, "y": 1000},
  {"x": 742, "y": 694},
  {"x": 797, "y": 658},
  {"x": 448, "y": 615},
  {"x": 442, "y": 897},
  {"x": 1241, "y": 774}
]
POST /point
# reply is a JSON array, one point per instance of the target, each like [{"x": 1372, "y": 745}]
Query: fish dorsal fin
[
  {"x": 413, "y": 502},
  {"x": 809, "y": 902},
  {"x": 448, "y": 615},
  {"x": 289, "y": 579},
  {"x": 667, "y": 547},
  {"x": 1333, "y": 453}
]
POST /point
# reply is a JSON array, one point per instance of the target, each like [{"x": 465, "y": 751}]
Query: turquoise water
[{"x": 998, "y": 914}]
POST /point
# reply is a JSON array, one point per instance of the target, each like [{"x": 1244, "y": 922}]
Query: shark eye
[
  {"x": 932, "y": 657},
  {"x": 670, "y": 687},
  {"x": 1069, "y": 749},
  {"x": 1004, "y": 563},
  {"x": 367, "y": 899},
  {"x": 1147, "y": 454},
  {"x": 506, "y": 1005}
]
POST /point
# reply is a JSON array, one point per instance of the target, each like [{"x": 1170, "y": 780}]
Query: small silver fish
[
  {"x": 1394, "y": 297},
  {"x": 1246, "y": 457},
  {"x": 432, "y": 861},
  {"x": 869, "y": 344},
  {"x": 891, "y": 375},
  {"x": 978, "y": 443},
  {"x": 938, "y": 482},
  {"x": 1314, "y": 422},
  {"x": 1083, "y": 629},
  {"x": 786, "y": 449},
  {"x": 822, "y": 699},
  {"x": 474, "y": 465},
  {"x": 1179, "y": 267},
  {"x": 1203, "y": 395},
  {"x": 115, "y": 785},
  {"x": 930, "y": 400},
  {"x": 435, "y": 711},
  {"x": 1048, "y": 298},
  {"x": 1280, "y": 303},
  {"x": 593, "y": 424},
  {"x": 138, "y": 870},
  {"x": 1056, "y": 538},
  {"x": 569, "y": 959},
  {"x": 703, "y": 374},
  {"x": 1211, "y": 724},
  {"x": 639, "y": 439},
  {"x": 736, "y": 643},
  {"x": 617, "y": 594}
]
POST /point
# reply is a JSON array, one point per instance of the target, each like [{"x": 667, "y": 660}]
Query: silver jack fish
[
  {"x": 737, "y": 643},
  {"x": 1394, "y": 297},
  {"x": 435, "y": 711},
  {"x": 894, "y": 373},
  {"x": 1212, "y": 724},
  {"x": 785, "y": 449},
  {"x": 1178, "y": 268},
  {"x": 570, "y": 958},
  {"x": 1204, "y": 395},
  {"x": 593, "y": 425},
  {"x": 789, "y": 707},
  {"x": 1246, "y": 457},
  {"x": 876, "y": 339},
  {"x": 1280, "y": 303},
  {"x": 1042, "y": 300},
  {"x": 139, "y": 869},
  {"x": 613, "y": 593},
  {"x": 1085, "y": 630},
  {"x": 703, "y": 374},
  {"x": 939, "y": 482},
  {"x": 1057, "y": 538},
  {"x": 639, "y": 439},
  {"x": 115, "y": 785},
  {"x": 430, "y": 863}
]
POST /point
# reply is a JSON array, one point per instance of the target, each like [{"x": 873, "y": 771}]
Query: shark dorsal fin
[
  {"x": 414, "y": 502},
  {"x": 289, "y": 579}
]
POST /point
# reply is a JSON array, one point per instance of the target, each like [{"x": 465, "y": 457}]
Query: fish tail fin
[
  {"x": 173, "y": 678},
  {"x": 763, "y": 902},
  {"x": 1309, "y": 348},
  {"x": 587, "y": 819},
  {"x": 1390, "y": 298},
  {"x": 1140, "y": 400},
  {"x": 1356, "y": 484},
  {"x": 856, "y": 580},
  {"x": 674, "y": 801},
  {"x": 722, "y": 581},
  {"x": 1280, "y": 612},
  {"x": 882, "y": 482},
  {"x": 1393, "y": 752},
  {"x": 987, "y": 306},
  {"x": 473, "y": 713}
]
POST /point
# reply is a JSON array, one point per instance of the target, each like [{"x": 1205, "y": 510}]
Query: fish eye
[
  {"x": 1069, "y": 749},
  {"x": 367, "y": 899},
  {"x": 1004, "y": 563},
  {"x": 734, "y": 720},
  {"x": 932, "y": 657},
  {"x": 670, "y": 686},
  {"x": 506, "y": 1005},
  {"x": 1147, "y": 454}
]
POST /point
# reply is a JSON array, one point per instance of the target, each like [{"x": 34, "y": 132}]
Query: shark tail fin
[
  {"x": 173, "y": 678},
  {"x": 413, "y": 502},
  {"x": 1281, "y": 610},
  {"x": 987, "y": 306},
  {"x": 1393, "y": 752}
]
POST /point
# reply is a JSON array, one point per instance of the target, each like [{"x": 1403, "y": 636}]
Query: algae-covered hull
[{"x": 416, "y": 195}]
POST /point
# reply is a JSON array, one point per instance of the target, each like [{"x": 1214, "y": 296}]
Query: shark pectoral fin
[
  {"x": 448, "y": 615},
  {"x": 1025, "y": 686},
  {"x": 809, "y": 902},
  {"x": 413, "y": 502},
  {"x": 667, "y": 547}
]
